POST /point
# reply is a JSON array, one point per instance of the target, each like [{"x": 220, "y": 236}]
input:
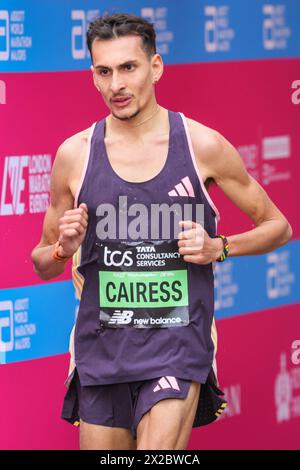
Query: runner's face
[{"x": 121, "y": 68}]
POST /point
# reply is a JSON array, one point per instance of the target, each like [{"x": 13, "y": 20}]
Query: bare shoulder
[
  {"x": 209, "y": 146},
  {"x": 216, "y": 156},
  {"x": 74, "y": 144},
  {"x": 204, "y": 139},
  {"x": 70, "y": 158}
]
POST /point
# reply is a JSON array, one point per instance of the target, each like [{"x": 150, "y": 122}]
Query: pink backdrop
[{"x": 245, "y": 102}]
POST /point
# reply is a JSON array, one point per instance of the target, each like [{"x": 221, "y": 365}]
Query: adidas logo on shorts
[{"x": 166, "y": 382}]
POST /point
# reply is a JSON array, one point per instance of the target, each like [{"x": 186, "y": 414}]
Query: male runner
[{"x": 143, "y": 370}]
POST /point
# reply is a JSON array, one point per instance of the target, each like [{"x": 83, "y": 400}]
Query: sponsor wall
[{"x": 236, "y": 69}]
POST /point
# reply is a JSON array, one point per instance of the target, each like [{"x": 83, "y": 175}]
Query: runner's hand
[
  {"x": 72, "y": 230},
  {"x": 196, "y": 246}
]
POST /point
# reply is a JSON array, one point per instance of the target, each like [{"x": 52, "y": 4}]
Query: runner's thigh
[
  {"x": 169, "y": 422},
  {"x": 97, "y": 437}
]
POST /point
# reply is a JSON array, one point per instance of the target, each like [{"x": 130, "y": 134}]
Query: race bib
[{"x": 142, "y": 284}]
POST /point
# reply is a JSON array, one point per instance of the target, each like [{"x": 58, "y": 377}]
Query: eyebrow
[{"x": 120, "y": 65}]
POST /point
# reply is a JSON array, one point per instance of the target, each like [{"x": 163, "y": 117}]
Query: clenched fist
[
  {"x": 196, "y": 246},
  {"x": 72, "y": 230}
]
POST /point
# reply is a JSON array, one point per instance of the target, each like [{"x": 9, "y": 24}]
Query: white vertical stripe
[
  {"x": 187, "y": 132},
  {"x": 87, "y": 157},
  {"x": 214, "y": 336}
]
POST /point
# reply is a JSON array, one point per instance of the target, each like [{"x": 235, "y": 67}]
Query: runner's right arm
[{"x": 61, "y": 221}]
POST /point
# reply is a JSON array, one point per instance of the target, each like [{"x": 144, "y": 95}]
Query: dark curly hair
[{"x": 110, "y": 26}]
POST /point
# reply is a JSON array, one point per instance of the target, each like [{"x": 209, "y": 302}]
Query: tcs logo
[{"x": 117, "y": 258}]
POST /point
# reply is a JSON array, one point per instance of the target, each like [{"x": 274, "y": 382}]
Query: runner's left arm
[{"x": 229, "y": 173}]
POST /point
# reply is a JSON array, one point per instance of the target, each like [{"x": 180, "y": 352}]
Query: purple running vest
[{"x": 105, "y": 352}]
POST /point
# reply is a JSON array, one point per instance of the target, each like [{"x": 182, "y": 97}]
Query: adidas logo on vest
[{"x": 184, "y": 188}]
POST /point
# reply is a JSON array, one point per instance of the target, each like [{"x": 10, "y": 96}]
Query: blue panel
[
  {"x": 250, "y": 283},
  {"x": 51, "y": 35},
  {"x": 36, "y": 321}
]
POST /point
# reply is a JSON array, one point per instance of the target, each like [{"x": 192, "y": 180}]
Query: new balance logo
[
  {"x": 184, "y": 188},
  {"x": 121, "y": 318},
  {"x": 166, "y": 382}
]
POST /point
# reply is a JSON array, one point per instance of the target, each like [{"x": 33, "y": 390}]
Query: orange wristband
[{"x": 55, "y": 254}]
